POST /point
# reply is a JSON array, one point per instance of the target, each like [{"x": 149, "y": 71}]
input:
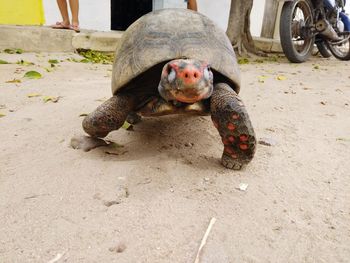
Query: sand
[{"x": 151, "y": 196}]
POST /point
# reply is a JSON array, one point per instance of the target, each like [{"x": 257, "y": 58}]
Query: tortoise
[{"x": 177, "y": 61}]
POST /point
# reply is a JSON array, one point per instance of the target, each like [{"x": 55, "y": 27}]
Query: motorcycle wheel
[
  {"x": 296, "y": 39},
  {"x": 340, "y": 51}
]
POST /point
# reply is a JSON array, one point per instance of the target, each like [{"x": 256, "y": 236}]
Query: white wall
[
  {"x": 220, "y": 13},
  {"x": 95, "y": 14}
]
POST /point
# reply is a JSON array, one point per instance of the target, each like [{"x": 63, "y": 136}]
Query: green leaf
[
  {"x": 127, "y": 126},
  {"x": 3, "y": 62},
  {"x": 14, "y": 81},
  {"x": 53, "y": 61},
  {"x": 2, "y": 115},
  {"x": 84, "y": 60},
  {"x": 243, "y": 61},
  {"x": 9, "y": 51},
  {"x": 33, "y": 75}
]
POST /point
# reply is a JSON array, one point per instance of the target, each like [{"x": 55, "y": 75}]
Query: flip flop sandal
[
  {"x": 60, "y": 25},
  {"x": 75, "y": 28}
]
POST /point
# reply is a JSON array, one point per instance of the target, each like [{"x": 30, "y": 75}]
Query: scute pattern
[{"x": 169, "y": 34}]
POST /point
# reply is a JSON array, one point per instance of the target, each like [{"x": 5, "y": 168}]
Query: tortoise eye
[
  {"x": 171, "y": 75},
  {"x": 206, "y": 73}
]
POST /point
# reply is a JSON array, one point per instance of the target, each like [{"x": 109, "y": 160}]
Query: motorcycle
[{"x": 305, "y": 23}]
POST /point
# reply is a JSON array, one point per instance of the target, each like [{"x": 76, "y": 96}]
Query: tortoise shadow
[{"x": 192, "y": 140}]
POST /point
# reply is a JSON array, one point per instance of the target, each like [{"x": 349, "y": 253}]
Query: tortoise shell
[{"x": 168, "y": 34}]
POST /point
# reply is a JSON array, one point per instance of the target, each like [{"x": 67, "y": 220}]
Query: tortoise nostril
[
  {"x": 186, "y": 75},
  {"x": 195, "y": 75}
]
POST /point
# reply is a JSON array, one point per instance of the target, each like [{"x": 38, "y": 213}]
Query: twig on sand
[
  {"x": 57, "y": 258},
  {"x": 204, "y": 240}
]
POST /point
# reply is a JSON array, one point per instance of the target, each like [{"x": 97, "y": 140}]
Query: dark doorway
[{"x": 125, "y": 12}]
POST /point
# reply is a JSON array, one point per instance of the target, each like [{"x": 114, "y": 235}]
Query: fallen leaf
[
  {"x": 316, "y": 67},
  {"x": 14, "y": 81},
  {"x": 3, "y": 62},
  {"x": 127, "y": 126},
  {"x": 323, "y": 102},
  {"x": 50, "y": 98},
  {"x": 53, "y": 61},
  {"x": 13, "y": 51},
  {"x": 33, "y": 95},
  {"x": 242, "y": 61},
  {"x": 83, "y": 114},
  {"x": 281, "y": 77},
  {"x": 33, "y": 75},
  {"x": 2, "y": 115}
]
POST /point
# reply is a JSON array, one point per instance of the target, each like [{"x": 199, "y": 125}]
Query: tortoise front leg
[
  {"x": 109, "y": 116},
  {"x": 232, "y": 121}
]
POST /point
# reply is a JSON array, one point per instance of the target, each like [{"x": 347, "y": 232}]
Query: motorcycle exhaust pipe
[{"x": 325, "y": 29}]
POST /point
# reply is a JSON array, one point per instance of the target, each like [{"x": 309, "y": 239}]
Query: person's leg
[
  {"x": 192, "y": 4},
  {"x": 74, "y": 7},
  {"x": 62, "y": 5}
]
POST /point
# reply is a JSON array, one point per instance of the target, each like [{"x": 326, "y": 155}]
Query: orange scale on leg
[
  {"x": 231, "y": 139},
  {"x": 243, "y": 146},
  {"x": 231, "y": 127},
  {"x": 243, "y": 137}
]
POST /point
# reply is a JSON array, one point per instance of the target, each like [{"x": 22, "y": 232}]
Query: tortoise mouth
[{"x": 191, "y": 96}]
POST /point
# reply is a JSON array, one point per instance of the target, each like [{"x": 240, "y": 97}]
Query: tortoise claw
[{"x": 230, "y": 163}]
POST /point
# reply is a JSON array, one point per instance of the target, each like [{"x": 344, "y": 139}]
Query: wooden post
[{"x": 270, "y": 18}]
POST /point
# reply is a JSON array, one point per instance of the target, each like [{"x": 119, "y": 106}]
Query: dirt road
[{"x": 151, "y": 198}]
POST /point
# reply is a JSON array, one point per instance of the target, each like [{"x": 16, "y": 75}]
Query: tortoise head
[{"x": 186, "y": 80}]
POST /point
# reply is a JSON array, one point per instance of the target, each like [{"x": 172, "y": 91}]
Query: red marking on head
[
  {"x": 231, "y": 139},
  {"x": 243, "y": 146},
  {"x": 243, "y": 137},
  {"x": 231, "y": 127},
  {"x": 228, "y": 150},
  {"x": 235, "y": 116},
  {"x": 190, "y": 75}
]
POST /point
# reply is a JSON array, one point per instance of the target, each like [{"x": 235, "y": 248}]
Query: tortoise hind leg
[
  {"x": 109, "y": 116},
  {"x": 232, "y": 121}
]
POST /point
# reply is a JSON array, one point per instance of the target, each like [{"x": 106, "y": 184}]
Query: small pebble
[{"x": 118, "y": 249}]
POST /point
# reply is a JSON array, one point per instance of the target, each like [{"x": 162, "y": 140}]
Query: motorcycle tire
[
  {"x": 296, "y": 40},
  {"x": 340, "y": 51}
]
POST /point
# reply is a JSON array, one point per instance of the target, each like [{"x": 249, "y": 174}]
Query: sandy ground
[{"x": 151, "y": 200}]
